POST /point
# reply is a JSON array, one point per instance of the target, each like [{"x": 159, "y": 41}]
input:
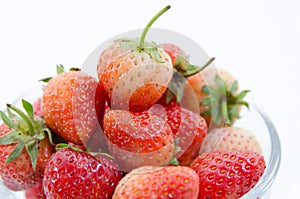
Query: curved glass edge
[{"x": 268, "y": 178}]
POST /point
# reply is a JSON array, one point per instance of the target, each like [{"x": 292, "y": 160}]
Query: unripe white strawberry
[{"x": 230, "y": 138}]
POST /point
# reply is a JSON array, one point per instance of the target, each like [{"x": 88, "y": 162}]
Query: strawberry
[
  {"x": 230, "y": 138},
  {"x": 228, "y": 174},
  {"x": 188, "y": 128},
  {"x": 134, "y": 73},
  {"x": 109, "y": 55},
  {"x": 159, "y": 183},
  {"x": 37, "y": 107},
  {"x": 73, "y": 103},
  {"x": 217, "y": 96},
  {"x": 97, "y": 141},
  {"x": 177, "y": 55},
  {"x": 24, "y": 147},
  {"x": 138, "y": 139},
  {"x": 77, "y": 174},
  {"x": 36, "y": 192},
  {"x": 208, "y": 77}
]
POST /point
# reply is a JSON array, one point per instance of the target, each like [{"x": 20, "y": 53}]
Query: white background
[{"x": 258, "y": 41}]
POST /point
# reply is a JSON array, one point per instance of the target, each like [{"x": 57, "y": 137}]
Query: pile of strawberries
[{"x": 152, "y": 125}]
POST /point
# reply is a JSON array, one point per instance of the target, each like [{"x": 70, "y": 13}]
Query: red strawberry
[
  {"x": 158, "y": 182},
  {"x": 228, "y": 174},
  {"x": 138, "y": 138},
  {"x": 19, "y": 174},
  {"x": 71, "y": 174},
  {"x": 177, "y": 55},
  {"x": 230, "y": 138},
  {"x": 24, "y": 148},
  {"x": 37, "y": 107},
  {"x": 73, "y": 103},
  {"x": 188, "y": 128},
  {"x": 36, "y": 192},
  {"x": 109, "y": 55},
  {"x": 134, "y": 73}
]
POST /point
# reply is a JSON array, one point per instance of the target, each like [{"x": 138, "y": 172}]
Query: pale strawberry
[
  {"x": 230, "y": 138},
  {"x": 217, "y": 96}
]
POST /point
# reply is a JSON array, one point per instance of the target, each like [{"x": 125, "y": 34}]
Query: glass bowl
[
  {"x": 253, "y": 119},
  {"x": 266, "y": 133}
]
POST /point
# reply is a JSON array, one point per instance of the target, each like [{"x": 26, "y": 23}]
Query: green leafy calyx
[
  {"x": 59, "y": 70},
  {"x": 174, "y": 161},
  {"x": 140, "y": 45},
  {"x": 80, "y": 149},
  {"x": 26, "y": 131},
  {"x": 222, "y": 103}
]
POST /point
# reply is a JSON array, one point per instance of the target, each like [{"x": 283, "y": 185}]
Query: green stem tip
[
  {"x": 24, "y": 117},
  {"x": 143, "y": 36}
]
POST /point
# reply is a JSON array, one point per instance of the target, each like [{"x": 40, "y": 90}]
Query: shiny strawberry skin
[
  {"x": 71, "y": 174},
  {"x": 230, "y": 138},
  {"x": 158, "y": 182},
  {"x": 108, "y": 55},
  {"x": 19, "y": 174},
  {"x": 229, "y": 174},
  {"x": 173, "y": 51},
  {"x": 36, "y": 192},
  {"x": 37, "y": 107},
  {"x": 188, "y": 127},
  {"x": 73, "y": 102},
  {"x": 132, "y": 80},
  {"x": 138, "y": 138}
]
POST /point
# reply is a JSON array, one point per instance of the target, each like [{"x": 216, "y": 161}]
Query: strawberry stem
[
  {"x": 69, "y": 146},
  {"x": 95, "y": 154},
  {"x": 143, "y": 36},
  {"x": 24, "y": 117},
  {"x": 198, "y": 69},
  {"x": 224, "y": 110},
  {"x": 173, "y": 162}
]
